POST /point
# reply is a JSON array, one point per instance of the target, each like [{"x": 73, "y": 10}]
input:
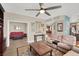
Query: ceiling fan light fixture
[{"x": 42, "y": 11}]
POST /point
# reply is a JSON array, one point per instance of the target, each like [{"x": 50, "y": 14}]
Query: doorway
[{"x": 14, "y": 43}]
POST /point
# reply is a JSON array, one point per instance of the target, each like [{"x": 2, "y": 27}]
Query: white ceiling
[{"x": 69, "y": 9}]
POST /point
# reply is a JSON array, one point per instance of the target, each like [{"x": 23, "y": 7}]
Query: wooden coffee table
[{"x": 40, "y": 48}]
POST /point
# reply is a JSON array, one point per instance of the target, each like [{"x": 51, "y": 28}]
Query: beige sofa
[
  {"x": 68, "y": 39},
  {"x": 71, "y": 53},
  {"x": 66, "y": 42}
]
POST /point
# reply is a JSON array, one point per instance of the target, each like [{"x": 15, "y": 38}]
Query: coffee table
[{"x": 40, "y": 48}]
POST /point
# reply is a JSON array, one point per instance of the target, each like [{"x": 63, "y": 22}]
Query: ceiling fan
[{"x": 43, "y": 10}]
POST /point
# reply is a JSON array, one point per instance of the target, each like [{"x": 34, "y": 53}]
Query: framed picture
[{"x": 59, "y": 27}]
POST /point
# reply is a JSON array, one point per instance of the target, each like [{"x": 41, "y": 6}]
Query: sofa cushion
[
  {"x": 49, "y": 41},
  {"x": 68, "y": 39},
  {"x": 63, "y": 45}
]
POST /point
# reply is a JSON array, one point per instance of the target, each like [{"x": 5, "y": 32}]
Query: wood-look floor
[{"x": 14, "y": 44}]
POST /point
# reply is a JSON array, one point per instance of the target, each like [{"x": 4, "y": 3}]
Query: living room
[{"x": 58, "y": 28}]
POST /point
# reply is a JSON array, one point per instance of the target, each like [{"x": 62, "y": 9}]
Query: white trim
[{"x": 7, "y": 40}]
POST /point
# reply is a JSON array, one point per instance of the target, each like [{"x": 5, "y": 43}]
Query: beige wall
[
  {"x": 18, "y": 27},
  {"x": 11, "y": 17},
  {"x": 53, "y": 23},
  {"x": 59, "y": 19}
]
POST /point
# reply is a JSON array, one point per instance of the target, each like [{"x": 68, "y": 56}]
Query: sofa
[
  {"x": 17, "y": 35},
  {"x": 71, "y": 53},
  {"x": 66, "y": 42}
]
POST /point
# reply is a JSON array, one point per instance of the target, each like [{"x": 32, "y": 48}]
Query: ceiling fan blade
[
  {"x": 47, "y": 13},
  {"x": 32, "y": 9},
  {"x": 37, "y": 14},
  {"x": 40, "y": 4},
  {"x": 55, "y": 7}
]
